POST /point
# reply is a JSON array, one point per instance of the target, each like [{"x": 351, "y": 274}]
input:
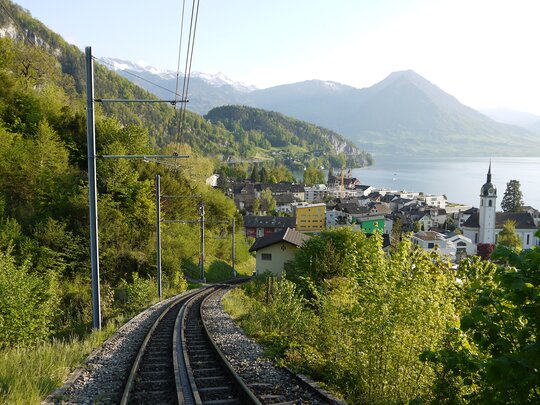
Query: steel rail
[
  {"x": 135, "y": 367},
  {"x": 188, "y": 391},
  {"x": 247, "y": 396}
]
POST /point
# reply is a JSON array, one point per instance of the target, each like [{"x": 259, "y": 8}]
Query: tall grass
[{"x": 28, "y": 374}]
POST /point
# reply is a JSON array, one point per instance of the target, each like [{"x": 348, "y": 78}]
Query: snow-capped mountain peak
[
  {"x": 136, "y": 67},
  {"x": 217, "y": 79}
]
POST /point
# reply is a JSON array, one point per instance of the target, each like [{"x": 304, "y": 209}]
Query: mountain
[
  {"x": 284, "y": 133},
  {"x": 19, "y": 32},
  {"x": 404, "y": 113},
  {"x": 522, "y": 119},
  {"x": 206, "y": 91}
]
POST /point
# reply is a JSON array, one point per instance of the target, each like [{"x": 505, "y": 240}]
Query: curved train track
[{"x": 178, "y": 363}]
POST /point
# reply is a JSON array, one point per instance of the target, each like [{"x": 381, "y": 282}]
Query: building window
[
  {"x": 266, "y": 256},
  {"x": 528, "y": 238},
  {"x": 475, "y": 238},
  {"x": 431, "y": 245},
  {"x": 490, "y": 203}
]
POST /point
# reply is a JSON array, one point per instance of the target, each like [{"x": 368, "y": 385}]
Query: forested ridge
[{"x": 268, "y": 130}]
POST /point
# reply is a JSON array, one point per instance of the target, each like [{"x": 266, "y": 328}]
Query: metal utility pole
[
  {"x": 158, "y": 233},
  {"x": 233, "y": 253},
  {"x": 92, "y": 188},
  {"x": 201, "y": 258},
  {"x": 92, "y": 184}
]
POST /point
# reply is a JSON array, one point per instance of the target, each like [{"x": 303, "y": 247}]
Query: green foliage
[
  {"x": 512, "y": 200},
  {"x": 27, "y": 303},
  {"x": 314, "y": 175},
  {"x": 371, "y": 315},
  {"x": 267, "y": 196},
  {"x": 137, "y": 294},
  {"x": 509, "y": 237},
  {"x": 495, "y": 354}
]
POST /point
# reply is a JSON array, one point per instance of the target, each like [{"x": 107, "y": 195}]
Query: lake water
[{"x": 459, "y": 178}]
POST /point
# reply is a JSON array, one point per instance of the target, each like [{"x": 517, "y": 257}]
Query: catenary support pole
[
  {"x": 233, "y": 253},
  {"x": 92, "y": 188},
  {"x": 158, "y": 233},
  {"x": 201, "y": 259}
]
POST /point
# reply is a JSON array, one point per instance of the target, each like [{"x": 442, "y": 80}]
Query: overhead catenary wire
[{"x": 188, "y": 64}]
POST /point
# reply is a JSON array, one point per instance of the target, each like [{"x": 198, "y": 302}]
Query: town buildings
[{"x": 433, "y": 223}]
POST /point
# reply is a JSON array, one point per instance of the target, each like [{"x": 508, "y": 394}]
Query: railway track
[
  {"x": 167, "y": 356},
  {"x": 178, "y": 364}
]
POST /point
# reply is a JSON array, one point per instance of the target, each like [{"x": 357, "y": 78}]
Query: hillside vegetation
[
  {"x": 274, "y": 131},
  {"x": 159, "y": 120},
  {"x": 45, "y": 292}
]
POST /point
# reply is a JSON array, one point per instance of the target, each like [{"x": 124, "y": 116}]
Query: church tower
[{"x": 488, "y": 204}]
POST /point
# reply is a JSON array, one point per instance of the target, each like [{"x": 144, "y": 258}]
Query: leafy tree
[
  {"x": 509, "y": 237},
  {"x": 27, "y": 303},
  {"x": 313, "y": 175},
  {"x": 495, "y": 354},
  {"x": 484, "y": 250},
  {"x": 512, "y": 200},
  {"x": 256, "y": 205},
  {"x": 255, "y": 176},
  {"x": 263, "y": 175},
  {"x": 374, "y": 314},
  {"x": 397, "y": 232},
  {"x": 269, "y": 198}
]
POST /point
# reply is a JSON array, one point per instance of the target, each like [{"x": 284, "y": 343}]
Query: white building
[
  {"x": 438, "y": 201},
  {"x": 484, "y": 226},
  {"x": 315, "y": 193},
  {"x": 451, "y": 244}
]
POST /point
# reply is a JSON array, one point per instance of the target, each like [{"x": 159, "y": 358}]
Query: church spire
[{"x": 489, "y": 173}]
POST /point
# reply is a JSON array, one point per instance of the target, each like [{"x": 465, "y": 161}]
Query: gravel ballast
[
  {"x": 249, "y": 361},
  {"x": 102, "y": 377}
]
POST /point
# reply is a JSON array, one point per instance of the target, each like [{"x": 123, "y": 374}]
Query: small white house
[
  {"x": 451, "y": 244},
  {"x": 438, "y": 201},
  {"x": 275, "y": 249}
]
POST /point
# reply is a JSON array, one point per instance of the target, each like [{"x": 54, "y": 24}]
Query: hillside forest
[{"x": 45, "y": 277}]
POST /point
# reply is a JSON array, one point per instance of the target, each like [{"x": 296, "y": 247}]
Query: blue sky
[{"x": 484, "y": 52}]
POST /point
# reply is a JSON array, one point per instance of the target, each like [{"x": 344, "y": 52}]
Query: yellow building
[{"x": 310, "y": 217}]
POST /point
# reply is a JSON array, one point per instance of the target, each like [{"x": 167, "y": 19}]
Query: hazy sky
[{"x": 484, "y": 52}]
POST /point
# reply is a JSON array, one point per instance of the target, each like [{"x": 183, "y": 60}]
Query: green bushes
[
  {"x": 356, "y": 318},
  {"x": 138, "y": 294},
  {"x": 27, "y": 303},
  {"x": 402, "y": 327}
]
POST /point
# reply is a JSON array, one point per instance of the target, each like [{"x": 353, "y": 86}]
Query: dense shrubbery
[
  {"x": 400, "y": 327},
  {"x": 28, "y": 303}
]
